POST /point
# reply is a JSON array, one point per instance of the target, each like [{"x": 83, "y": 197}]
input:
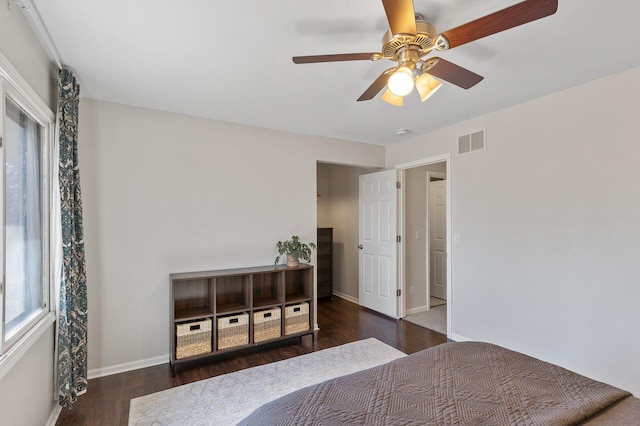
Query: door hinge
[
  {"x": 398, "y": 239},
  {"x": 398, "y": 184},
  {"x": 398, "y": 292}
]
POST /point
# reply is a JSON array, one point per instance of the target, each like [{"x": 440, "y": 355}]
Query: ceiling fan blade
[
  {"x": 454, "y": 74},
  {"x": 511, "y": 17},
  {"x": 376, "y": 86},
  {"x": 401, "y": 16},
  {"x": 333, "y": 58}
]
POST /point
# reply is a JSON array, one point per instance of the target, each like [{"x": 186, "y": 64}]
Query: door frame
[{"x": 401, "y": 168}]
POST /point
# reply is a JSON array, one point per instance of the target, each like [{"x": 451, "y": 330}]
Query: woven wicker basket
[
  {"x": 233, "y": 331},
  {"x": 296, "y": 318},
  {"x": 193, "y": 338},
  {"x": 267, "y": 325}
]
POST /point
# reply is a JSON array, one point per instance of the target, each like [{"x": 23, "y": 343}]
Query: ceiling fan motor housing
[{"x": 393, "y": 46}]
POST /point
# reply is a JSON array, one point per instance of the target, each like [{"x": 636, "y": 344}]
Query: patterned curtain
[{"x": 72, "y": 314}]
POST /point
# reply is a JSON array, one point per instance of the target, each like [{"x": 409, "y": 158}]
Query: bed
[{"x": 466, "y": 383}]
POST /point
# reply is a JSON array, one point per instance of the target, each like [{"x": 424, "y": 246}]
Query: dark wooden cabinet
[{"x": 325, "y": 262}]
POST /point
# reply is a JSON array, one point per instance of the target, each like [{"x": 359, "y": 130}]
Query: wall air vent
[{"x": 472, "y": 142}]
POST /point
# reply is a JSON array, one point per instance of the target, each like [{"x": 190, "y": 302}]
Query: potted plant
[{"x": 295, "y": 250}]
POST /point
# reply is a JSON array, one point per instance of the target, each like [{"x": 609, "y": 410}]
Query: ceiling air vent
[{"x": 472, "y": 142}]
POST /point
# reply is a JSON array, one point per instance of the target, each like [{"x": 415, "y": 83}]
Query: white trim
[
  {"x": 402, "y": 247},
  {"x": 17, "y": 351},
  {"x": 16, "y": 96},
  {"x": 32, "y": 16},
  {"x": 15, "y": 87},
  {"x": 425, "y": 161},
  {"x": 446, "y": 158},
  {"x": 427, "y": 240},
  {"x": 128, "y": 366},
  {"x": 53, "y": 418},
  {"x": 25, "y": 91},
  {"x": 417, "y": 310},
  {"x": 459, "y": 338},
  {"x": 346, "y": 297}
]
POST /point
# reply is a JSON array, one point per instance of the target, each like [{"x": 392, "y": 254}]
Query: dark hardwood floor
[{"x": 107, "y": 399}]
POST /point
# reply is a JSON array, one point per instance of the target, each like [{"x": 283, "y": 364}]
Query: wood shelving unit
[{"x": 198, "y": 296}]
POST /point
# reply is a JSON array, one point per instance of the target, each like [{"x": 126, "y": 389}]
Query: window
[{"x": 24, "y": 211}]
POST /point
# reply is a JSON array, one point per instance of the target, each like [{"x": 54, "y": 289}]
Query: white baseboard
[
  {"x": 346, "y": 297},
  {"x": 149, "y": 362},
  {"x": 163, "y": 359},
  {"x": 128, "y": 366},
  {"x": 416, "y": 310},
  {"x": 54, "y": 416},
  {"x": 459, "y": 338}
]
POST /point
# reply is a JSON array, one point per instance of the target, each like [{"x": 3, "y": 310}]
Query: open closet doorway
[
  {"x": 425, "y": 246},
  {"x": 337, "y": 207}
]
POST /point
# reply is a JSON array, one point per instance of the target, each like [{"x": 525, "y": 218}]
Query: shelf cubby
[
  {"x": 232, "y": 294},
  {"x": 267, "y": 289},
  {"x": 298, "y": 285},
  {"x": 192, "y": 299}
]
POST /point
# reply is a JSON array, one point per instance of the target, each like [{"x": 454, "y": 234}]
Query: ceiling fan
[{"x": 410, "y": 40}]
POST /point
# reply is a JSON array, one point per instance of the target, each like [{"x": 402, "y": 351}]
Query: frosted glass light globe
[{"x": 401, "y": 82}]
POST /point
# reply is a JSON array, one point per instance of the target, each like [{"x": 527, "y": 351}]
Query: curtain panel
[{"x": 72, "y": 309}]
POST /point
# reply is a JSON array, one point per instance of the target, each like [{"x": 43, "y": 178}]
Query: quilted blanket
[{"x": 467, "y": 383}]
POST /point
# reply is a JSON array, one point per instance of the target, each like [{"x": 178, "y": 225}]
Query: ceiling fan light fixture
[
  {"x": 392, "y": 99},
  {"x": 426, "y": 86},
  {"x": 410, "y": 39},
  {"x": 401, "y": 81}
]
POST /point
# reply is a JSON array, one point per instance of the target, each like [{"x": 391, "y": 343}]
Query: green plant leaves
[{"x": 295, "y": 248}]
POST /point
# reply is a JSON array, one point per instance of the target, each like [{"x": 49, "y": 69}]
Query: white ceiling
[{"x": 231, "y": 60}]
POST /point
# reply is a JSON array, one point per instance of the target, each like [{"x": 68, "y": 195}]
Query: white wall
[
  {"x": 21, "y": 47},
  {"x": 167, "y": 193},
  {"x": 27, "y": 390},
  {"x": 549, "y": 224}
]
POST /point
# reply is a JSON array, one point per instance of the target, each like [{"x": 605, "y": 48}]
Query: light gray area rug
[
  {"x": 227, "y": 399},
  {"x": 434, "y": 319}
]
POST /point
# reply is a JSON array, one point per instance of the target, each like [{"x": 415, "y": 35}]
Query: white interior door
[
  {"x": 438, "y": 239},
  {"x": 378, "y": 247}
]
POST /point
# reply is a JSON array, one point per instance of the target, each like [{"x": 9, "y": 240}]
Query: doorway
[
  {"x": 424, "y": 260},
  {"x": 337, "y": 208}
]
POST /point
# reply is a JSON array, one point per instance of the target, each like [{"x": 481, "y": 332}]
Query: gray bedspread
[{"x": 467, "y": 383}]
